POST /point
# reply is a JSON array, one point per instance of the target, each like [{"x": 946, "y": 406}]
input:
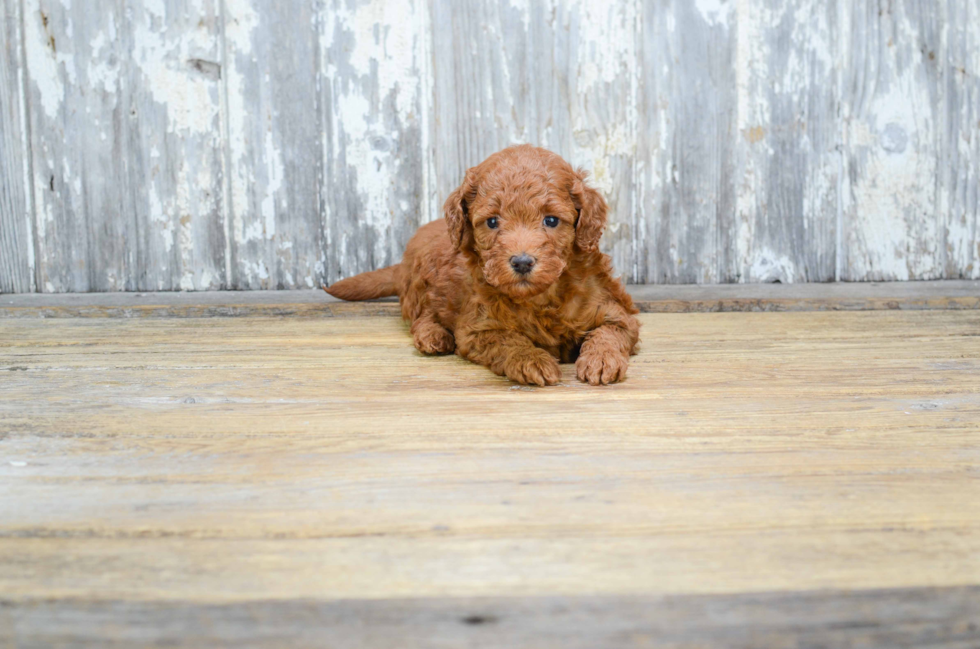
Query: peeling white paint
[
  {"x": 392, "y": 50},
  {"x": 371, "y": 170},
  {"x": 28, "y": 185},
  {"x": 44, "y": 65},
  {"x": 160, "y": 219},
  {"x": 604, "y": 55},
  {"x": 601, "y": 149},
  {"x": 905, "y": 215},
  {"x": 524, "y": 9},
  {"x": 892, "y": 229},
  {"x": 752, "y": 113},
  {"x": 785, "y": 88},
  {"x": 241, "y": 22},
  {"x": 103, "y": 68},
  {"x": 163, "y": 60},
  {"x": 274, "y": 179},
  {"x": 378, "y": 63},
  {"x": 715, "y": 12},
  {"x": 770, "y": 266},
  {"x": 430, "y": 206},
  {"x": 256, "y": 269},
  {"x": 606, "y": 46}
]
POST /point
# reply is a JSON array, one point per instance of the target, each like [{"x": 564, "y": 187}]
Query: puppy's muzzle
[{"x": 522, "y": 263}]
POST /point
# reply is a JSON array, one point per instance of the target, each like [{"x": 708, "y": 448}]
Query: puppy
[{"x": 512, "y": 278}]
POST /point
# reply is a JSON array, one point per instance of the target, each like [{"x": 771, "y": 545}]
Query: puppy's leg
[
  {"x": 509, "y": 354},
  {"x": 605, "y": 354},
  {"x": 431, "y": 337}
]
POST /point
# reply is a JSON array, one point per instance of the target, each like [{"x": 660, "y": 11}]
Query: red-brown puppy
[{"x": 512, "y": 278}]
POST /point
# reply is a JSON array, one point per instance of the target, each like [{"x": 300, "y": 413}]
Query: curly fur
[{"x": 458, "y": 289}]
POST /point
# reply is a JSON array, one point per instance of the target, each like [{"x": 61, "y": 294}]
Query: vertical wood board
[
  {"x": 372, "y": 189},
  {"x": 787, "y": 140},
  {"x": 892, "y": 97},
  {"x": 176, "y": 143},
  {"x": 126, "y": 145},
  {"x": 273, "y": 133},
  {"x": 960, "y": 146},
  {"x": 16, "y": 227},
  {"x": 686, "y": 156}
]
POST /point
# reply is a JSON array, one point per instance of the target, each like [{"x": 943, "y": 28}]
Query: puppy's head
[{"x": 522, "y": 215}]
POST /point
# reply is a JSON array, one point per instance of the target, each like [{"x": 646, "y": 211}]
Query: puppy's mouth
[
  {"x": 519, "y": 283},
  {"x": 524, "y": 288},
  {"x": 523, "y": 285},
  {"x": 527, "y": 286}
]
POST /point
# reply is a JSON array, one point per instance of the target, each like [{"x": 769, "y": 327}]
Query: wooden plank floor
[{"x": 761, "y": 479}]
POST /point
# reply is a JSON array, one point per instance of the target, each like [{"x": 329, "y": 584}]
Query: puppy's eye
[
  {"x": 551, "y": 221},
  {"x": 493, "y": 223}
]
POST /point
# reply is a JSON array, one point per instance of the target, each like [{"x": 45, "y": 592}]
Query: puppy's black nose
[{"x": 522, "y": 263}]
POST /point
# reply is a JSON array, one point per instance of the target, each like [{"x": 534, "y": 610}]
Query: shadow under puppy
[{"x": 513, "y": 278}]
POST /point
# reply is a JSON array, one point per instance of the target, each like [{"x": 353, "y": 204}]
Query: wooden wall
[{"x": 214, "y": 144}]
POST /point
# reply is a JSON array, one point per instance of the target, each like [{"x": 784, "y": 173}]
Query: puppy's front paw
[
  {"x": 537, "y": 368},
  {"x": 601, "y": 368},
  {"x": 433, "y": 339}
]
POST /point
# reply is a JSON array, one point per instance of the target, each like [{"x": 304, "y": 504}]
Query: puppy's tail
[{"x": 366, "y": 286}]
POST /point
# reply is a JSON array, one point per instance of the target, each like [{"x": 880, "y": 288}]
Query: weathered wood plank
[
  {"x": 738, "y": 149},
  {"x": 915, "y": 618},
  {"x": 559, "y": 75},
  {"x": 787, "y": 141},
  {"x": 126, "y": 145},
  {"x": 16, "y": 216},
  {"x": 276, "y": 237},
  {"x": 60, "y": 152},
  {"x": 372, "y": 191},
  {"x": 176, "y": 144},
  {"x": 409, "y": 503},
  {"x": 892, "y": 110},
  {"x": 686, "y": 153},
  {"x": 960, "y": 148}
]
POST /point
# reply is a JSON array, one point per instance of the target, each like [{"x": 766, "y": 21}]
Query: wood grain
[
  {"x": 201, "y": 145},
  {"x": 276, "y": 238},
  {"x": 738, "y": 154},
  {"x": 175, "y": 144},
  {"x": 787, "y": 141},
  {"x": 891, "y": 104},
  {"x": 960, "y": 145},
  {"x": 16, "y": 216},
  {"x": 127, "y": 152},
  {"x": 71, "y": 160},
  {"x": 212, "y": 467},
  {"x": 686, "y": 157},
  {"x": 908, "y": 618},
  {"x": 373, "y": 190}
]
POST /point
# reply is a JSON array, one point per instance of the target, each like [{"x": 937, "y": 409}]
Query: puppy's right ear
[{"x": 458, "y": 213}]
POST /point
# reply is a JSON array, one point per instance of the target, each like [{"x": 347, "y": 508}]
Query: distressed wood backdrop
[{"x": 262, "y": 144}]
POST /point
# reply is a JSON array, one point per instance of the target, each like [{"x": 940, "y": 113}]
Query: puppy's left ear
[{"x": 592, "y": 210}]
